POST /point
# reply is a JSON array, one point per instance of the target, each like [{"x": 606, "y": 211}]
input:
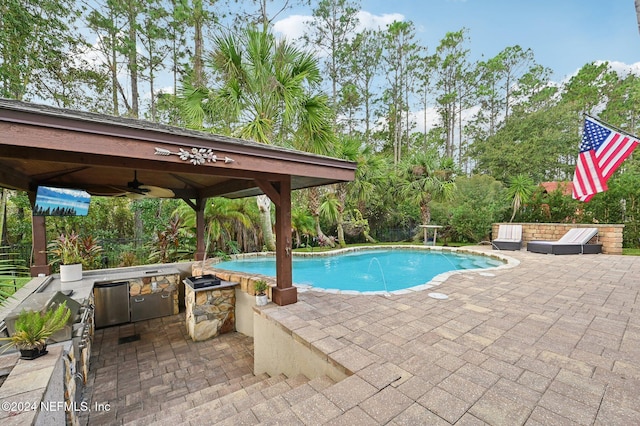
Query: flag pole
[{"x": 612, "y": 127}]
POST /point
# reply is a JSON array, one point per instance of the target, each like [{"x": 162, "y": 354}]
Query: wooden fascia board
[
  {"x": 60, "y": 145},
  {"x": 67, "y": 133}
]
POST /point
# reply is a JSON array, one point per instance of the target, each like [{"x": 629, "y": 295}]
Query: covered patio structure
[{"x": 45, "y": 146}]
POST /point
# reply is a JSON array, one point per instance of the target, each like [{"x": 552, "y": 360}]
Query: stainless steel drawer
[{"x": 151, "y": 306}]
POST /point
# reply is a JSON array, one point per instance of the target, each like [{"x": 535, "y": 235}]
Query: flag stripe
[
  {"x": 602, "y": 151},
  {"x": 587, "y": 178},
  {"x": 616, "y": 155},
  {"x": 608, "y": 149}
]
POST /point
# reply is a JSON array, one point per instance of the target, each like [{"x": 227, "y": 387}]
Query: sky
[{"x": 564, "y": 35}]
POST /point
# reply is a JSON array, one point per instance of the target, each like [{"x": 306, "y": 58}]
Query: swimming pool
[{"x": 369, "y": 270}]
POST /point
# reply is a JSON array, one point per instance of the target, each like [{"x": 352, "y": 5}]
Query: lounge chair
[
  {"x": 509, "y": 238},
  {"x": 575, "y": 241}
]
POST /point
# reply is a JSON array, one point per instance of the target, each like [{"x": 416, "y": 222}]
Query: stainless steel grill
[
  {"x": 43, "y": 301},
  {"x": 201, "y": 281}
]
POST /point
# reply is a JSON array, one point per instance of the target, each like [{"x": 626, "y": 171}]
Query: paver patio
[{"x": 555, "y": 340}]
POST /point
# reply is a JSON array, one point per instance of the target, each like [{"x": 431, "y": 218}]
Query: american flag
[{"x": 602, "y": 150}]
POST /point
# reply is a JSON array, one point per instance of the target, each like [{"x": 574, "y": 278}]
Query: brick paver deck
[{"x": 555, "y": 340}]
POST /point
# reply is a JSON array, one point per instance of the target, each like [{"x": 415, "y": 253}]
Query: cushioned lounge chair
[
  {"x": 509, "y": 238},
  {"x": 575, "y": 241}
]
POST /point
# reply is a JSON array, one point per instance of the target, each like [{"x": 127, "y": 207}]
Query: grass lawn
[{"x": 8, "y": 286}]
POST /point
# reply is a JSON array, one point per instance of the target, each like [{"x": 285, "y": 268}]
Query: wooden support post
[
  {"x": 201, "y": 250},
  {"x": 39, "y": 242},
  {"x": 284, "y": 293}
]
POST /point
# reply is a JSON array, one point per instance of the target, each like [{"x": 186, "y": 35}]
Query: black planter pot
[{"x": 34, "y": 353}]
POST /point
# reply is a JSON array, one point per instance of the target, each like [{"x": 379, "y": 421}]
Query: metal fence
[
  {"x": 115, "y": 252},
  {"x": 393, "y": 234}
]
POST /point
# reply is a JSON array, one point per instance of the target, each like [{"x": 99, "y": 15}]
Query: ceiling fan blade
[
  {"x": 135, "y": 195},
  {"x": 107, "y": 191},
  {"x": 157, "y": 191}
]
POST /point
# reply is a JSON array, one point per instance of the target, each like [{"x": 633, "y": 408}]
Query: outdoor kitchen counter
[
  {"x": 210, "y": 310},
  {"x": 82, "y": 289},
  {"x": 72, "y": 355}
]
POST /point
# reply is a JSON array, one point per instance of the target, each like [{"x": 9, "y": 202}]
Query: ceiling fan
[{"x": 137, "y": 189}]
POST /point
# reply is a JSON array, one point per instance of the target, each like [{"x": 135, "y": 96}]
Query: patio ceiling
[{"x": 42, "y": 145}]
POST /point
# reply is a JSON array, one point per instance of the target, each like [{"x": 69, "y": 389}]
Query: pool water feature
[
  {"x": 369, "y": 270},
  {"x": 384, "y": 281}
]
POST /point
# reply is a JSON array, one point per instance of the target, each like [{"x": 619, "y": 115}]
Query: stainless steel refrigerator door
[{"x": 111, "y": 303}]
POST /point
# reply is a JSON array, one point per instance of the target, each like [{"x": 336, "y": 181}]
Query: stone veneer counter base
[{"x": 210, "y": 311}]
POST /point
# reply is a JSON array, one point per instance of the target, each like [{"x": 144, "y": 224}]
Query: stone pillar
[{"x": 209, "y": 312}]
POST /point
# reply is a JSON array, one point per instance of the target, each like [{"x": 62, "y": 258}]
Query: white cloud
[
  {"x": 620, "y": 68},
  {"x": 418, "y": 118},
  {"x": 294, "y": 26},
  {"x": 377, "y": 22},
  {"x": 165, "y": 89},
  {"x": 91, "y": 55},
  {"x": 624, "y": 69}
]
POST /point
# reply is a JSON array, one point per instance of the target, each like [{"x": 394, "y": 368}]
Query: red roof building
[{"x": 565, "y": 187}]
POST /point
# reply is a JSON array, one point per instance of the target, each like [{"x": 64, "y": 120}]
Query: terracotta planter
[
  {"x": 34, "y": 353},
  {"x": 261, "y": 300},
  {"x": 70, "y": 273}
]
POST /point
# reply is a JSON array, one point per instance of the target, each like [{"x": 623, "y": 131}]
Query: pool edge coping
[{"x": 510, "y": 262}]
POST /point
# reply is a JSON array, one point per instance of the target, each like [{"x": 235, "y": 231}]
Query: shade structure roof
[{"x": 43, "y": 145}]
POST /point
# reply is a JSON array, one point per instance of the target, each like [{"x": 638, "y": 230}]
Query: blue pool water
[{"x": 367, "y": 270}]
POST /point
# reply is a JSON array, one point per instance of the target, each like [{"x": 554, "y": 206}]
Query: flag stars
[{"x": 594, "y": 135}]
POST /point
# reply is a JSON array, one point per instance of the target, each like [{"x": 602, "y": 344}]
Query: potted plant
[
  {"x": 73, "y": 253},
  {"x": 260, "y": 288},
  {"x": 33, "y": 328}
]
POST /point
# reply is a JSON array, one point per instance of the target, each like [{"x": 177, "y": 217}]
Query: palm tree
[
  {"x": 334, "y": 205},
  {"x": 267, "y": 92},
  {"x": 314, "y": 201},
  {"x": 519, "y": 192},
  {"x": 302, "y": 223},
  {"x": 224, "y": 218},
  {"x": 427, "y": 177},
  {"x": 369, "y": 175}
]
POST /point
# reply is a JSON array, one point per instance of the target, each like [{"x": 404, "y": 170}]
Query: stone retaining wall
[{"x": 609, "y": 235}]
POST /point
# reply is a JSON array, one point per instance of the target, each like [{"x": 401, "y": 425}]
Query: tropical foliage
[
  {"x": 69, "y": 249},
  {"x": 438, "y": 137}
]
